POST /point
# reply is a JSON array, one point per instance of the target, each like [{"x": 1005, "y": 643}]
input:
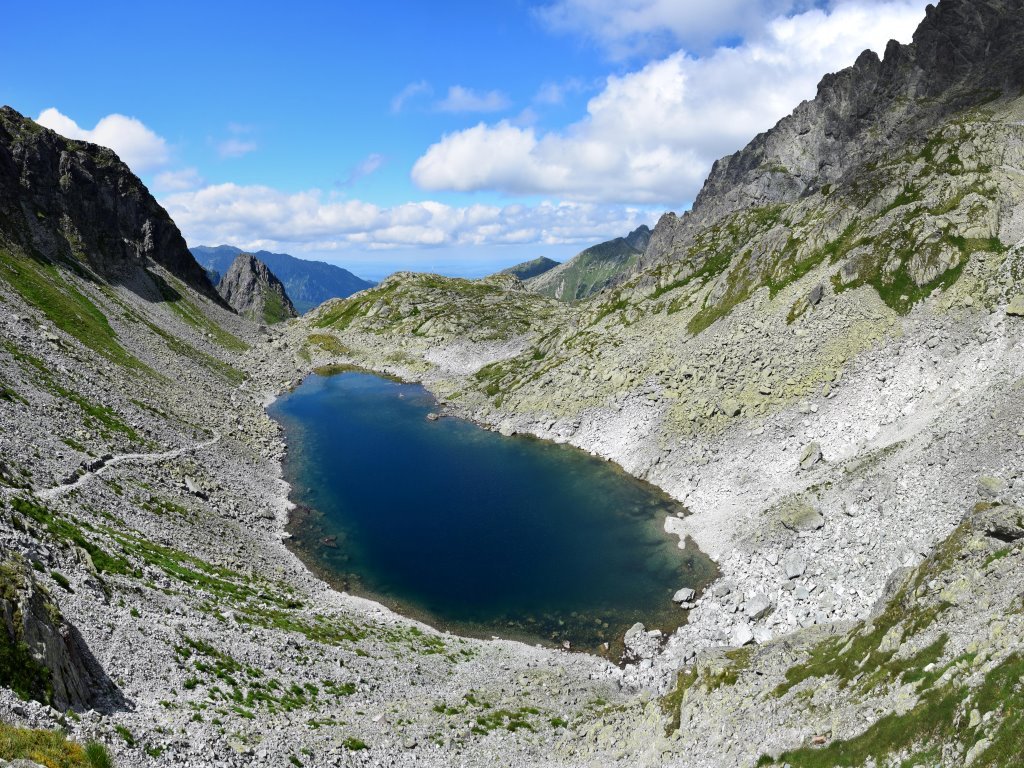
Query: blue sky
[{"x": 458, "y": 137}]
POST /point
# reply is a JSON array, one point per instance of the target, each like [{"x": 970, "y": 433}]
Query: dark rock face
[
  {"x": 252, "y": 290},
  {"x": 76, "y": 202},
  {"x": 45, "y": 658},
  {"x": 964, "y": 53}
]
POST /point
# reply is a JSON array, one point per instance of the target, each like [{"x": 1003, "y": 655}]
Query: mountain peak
[{"x": 254, "y": 291}]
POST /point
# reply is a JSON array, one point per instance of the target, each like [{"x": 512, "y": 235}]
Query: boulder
[
  {"x": 1016, "y": 307},
  {"x": 800, "y": 515},
  {"x": 817, "y": 292},
  {"x": 794, "y": 566},
  {"x": 991, "y": 487},
  {"x": 810, "y": 455},
  {"x": 730, "y": 407},
  {"x": 684, "y": 595},
  {"x": 741, "y": 636},
  {"x": 758, "y": 607}
]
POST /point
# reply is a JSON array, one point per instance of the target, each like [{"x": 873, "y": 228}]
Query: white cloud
[
  {"x": 235, "y": 147},
  {"x": 625, "y": 27},
  {"x": 134, "y": 143},
  {"x": 461, "y": 99},
  {"x": 261, "y": 217},
  {"x": 651, "y": 135},
  {"x": 421, "y": 88},
  {"x": 178, "y": 181},
  {"x": 365, "y": 167}
]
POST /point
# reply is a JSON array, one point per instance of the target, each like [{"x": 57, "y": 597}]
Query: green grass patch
[
  {"x": 69, "y": 532},
  {"x": 328, "y": 343},
  {"x": 672, "y": 702},
  {"x": 938, "y": 720},
  {"x": 42, "y": 285},
  {"x": 50, "y": 748},
  {"x": 274, "y": 309}
]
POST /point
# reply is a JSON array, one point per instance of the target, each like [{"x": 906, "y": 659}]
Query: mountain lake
[{"x": 472, "y": 532}]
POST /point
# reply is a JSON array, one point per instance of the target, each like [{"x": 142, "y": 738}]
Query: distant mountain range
[{"x": 308, "y": 283}]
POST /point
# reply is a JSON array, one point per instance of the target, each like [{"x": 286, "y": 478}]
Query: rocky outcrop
[
  {"x": 594, "y": 269},
  {"x": 308, "y": 283},
  {"x": 76, "y": 203},
  {"x": 45, "y": 658},
  {"x": 253, "y": 291},
  {"x": 964, "y": 53}
]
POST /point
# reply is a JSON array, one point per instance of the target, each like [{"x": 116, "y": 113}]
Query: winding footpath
[{"x": 49, "y": 494}]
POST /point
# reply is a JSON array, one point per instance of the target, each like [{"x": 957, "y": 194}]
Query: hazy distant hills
[{"x": 308, "y": 283}]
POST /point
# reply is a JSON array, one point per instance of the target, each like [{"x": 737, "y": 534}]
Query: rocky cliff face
[
  {"x": 44, "y": 657},
  {"x": 594, "y": 269},
  {"x": 76, "y": 203},
  {"x": 965, "y": 53},
  {"x": 254, "y": 292}
]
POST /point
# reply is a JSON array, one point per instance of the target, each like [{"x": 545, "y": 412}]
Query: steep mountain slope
[
  {"x": 308, "y": 283},
  {"x": 76, "y": 202},
  {"x": 964, "y": 54},
  {"x": 531, "y": 268},
  {"x": 253, "y": 291},
  {"x": 592, "y": 270}
]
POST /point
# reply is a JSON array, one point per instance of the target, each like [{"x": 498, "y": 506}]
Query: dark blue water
[{"x": 472, "y": 531}]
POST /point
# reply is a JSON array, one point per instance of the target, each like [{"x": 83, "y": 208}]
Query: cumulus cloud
[
  {"x": 262, "y": 217},
  {"x": 625, "y": 27},
  {"x": 412, "y": 90},
  {"x": 651, "y": 135},
  {"x": 138, "y": 146},
  {"x": 461, "y": 99}
]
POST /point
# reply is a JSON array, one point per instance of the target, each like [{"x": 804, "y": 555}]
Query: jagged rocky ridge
[
  {"x": 253, "y": 291},
  {"x": 964, "y": 54}
]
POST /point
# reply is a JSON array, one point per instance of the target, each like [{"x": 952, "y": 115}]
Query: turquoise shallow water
[{"x": 471, "y": 531}]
